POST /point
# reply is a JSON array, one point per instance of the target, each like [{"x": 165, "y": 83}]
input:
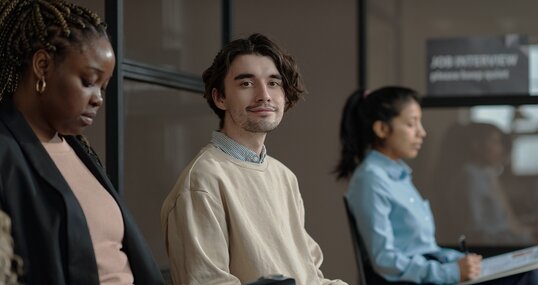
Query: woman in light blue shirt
[{"x": 396, "y": 224}]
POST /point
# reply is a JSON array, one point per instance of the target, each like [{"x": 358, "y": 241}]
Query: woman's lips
[{"x": 88, "y": 117}]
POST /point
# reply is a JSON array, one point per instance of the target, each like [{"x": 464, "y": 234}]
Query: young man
[{"x": 236, "y": 213}]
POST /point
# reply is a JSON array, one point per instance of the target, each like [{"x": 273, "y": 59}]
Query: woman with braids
[
  {"x": 10, "y": 264},
  {"x": 395, "y": 224},
  {"x": 69, "y": 225}
]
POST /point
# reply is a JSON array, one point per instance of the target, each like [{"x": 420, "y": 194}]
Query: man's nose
[{"x": 263, "y": 93}]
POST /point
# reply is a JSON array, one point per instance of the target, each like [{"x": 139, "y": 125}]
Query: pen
[{"x": 463, "y": 245}]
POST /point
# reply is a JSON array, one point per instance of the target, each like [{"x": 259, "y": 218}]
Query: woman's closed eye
[{"x": 87, "y": 83}]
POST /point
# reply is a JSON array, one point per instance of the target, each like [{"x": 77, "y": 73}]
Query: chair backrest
[
  {"x": 367, "y": 275},
  {"x": 359, "y": 258}
]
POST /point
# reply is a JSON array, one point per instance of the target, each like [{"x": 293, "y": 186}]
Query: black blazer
[{"x": 49, "y": 229}]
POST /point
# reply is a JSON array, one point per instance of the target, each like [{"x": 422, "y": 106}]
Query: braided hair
[
  {"x": 10, "y": 264},
  {"x": 29, "y": 25}
]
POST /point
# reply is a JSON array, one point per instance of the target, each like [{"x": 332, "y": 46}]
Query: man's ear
[
  {"x": 218, "y": 99},
  {"x": 42, "y": 63},
  {"x": 381, "y": 129}
]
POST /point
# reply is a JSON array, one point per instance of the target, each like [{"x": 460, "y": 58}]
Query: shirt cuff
[
  {"x": 452, "y": 255},
  {"x": 453, "y": 272}
]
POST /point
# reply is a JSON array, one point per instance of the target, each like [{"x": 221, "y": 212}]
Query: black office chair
[
  {"x": 165, "y": 272},
  {"x": 276, "y": 279},
  {"x": 367, "y": 275}
]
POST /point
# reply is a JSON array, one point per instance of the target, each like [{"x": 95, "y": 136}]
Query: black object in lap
[{"x": 274, "y": 280}]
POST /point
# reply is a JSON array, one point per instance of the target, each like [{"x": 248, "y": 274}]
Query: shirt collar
[
  {"x": 236, "y": 150},
  {"x": 396, "y": 169}
]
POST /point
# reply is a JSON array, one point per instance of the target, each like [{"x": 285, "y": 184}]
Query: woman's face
[
  {"x": 403, "y": 138},
  {"x": 491, "y": 150},
  {"x": 75, "y": 87}
]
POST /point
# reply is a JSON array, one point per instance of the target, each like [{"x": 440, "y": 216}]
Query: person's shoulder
[
  {"x": 209, "y": 160},
  {"x": 197, "y": 177},
  {"x": 203, "y": 170},
  {"x": 205, "y": 158},
  {"x": 370, "y": 171},
  {"x": 369, "y": 179},
  {"x": 276, "y": 164},
  {"x": 9, "y": 145},
  {"x": 12, "y": 158},
  {"x": 9, "y": 142}
]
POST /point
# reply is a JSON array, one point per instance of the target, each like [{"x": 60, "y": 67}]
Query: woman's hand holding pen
[
  {"x": 470, "y": 263},
  {"x": 469, "y": 266}
]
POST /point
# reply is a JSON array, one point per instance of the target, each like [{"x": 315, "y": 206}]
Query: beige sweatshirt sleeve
[
  {"x": 315, "y": 251},
  {"x": 317, "y": 258},
  {"x": 197, "y": 241}
]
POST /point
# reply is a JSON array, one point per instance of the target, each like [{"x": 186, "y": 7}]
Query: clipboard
[{"x": 507, "y": 264}]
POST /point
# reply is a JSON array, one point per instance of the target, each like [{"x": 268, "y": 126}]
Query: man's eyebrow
[
  {"x": 243, "y": 76},
  {"x": 250, "y": 75}
]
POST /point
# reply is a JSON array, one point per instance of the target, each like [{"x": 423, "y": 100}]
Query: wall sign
[{"x": 478, "y": 66}]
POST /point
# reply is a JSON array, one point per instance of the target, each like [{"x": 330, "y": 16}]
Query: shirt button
[
  {"x": 412, "y": 200},
  {"x": 427, "y": 218}
]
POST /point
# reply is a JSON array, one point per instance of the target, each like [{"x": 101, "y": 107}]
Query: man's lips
[{"x": 261, "y": 109}]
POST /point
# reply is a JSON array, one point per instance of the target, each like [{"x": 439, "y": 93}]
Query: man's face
[{"x": 253, "y": 98}]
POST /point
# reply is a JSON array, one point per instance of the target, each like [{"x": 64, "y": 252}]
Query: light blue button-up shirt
[{"x": 396, "y": 224}]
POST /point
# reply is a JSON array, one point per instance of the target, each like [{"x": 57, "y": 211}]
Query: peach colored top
[{"x": 103, "y": 215}]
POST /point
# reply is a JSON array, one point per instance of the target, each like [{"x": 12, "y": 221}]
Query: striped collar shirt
[{"x": 236, "y": 150}]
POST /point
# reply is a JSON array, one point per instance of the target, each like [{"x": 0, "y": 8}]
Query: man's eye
[
  {"x": 246, "y": 83},
  {"x": 275, "y": 83}
]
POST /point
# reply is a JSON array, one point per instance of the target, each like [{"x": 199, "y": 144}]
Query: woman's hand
[{"x": 469, "y": 266}]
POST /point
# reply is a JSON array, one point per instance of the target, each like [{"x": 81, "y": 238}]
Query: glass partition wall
[
  {"x": 164, "y": 119},
  {"x": 479, "y": 170},
  {"x": 168, "y": 43},
  {"x": 164, "y": 129},
  {"x": 478, "y": 165}
]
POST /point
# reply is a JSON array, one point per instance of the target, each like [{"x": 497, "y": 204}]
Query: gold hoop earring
[{"x": 40, "y": 85}]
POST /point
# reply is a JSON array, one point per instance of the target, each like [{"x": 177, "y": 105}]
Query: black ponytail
[{"x": 350, "y": 136}]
